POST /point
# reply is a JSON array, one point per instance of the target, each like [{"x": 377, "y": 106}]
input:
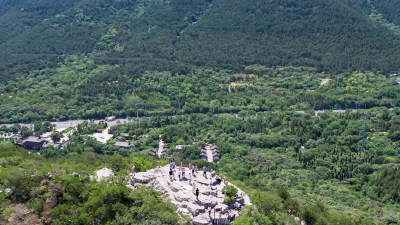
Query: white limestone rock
[
  {"x": 182, "y": 194},
  {"x": 103, "y": 174},
  {"x": 200, "y": 221}
]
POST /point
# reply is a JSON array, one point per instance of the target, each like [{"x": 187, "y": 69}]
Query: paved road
[{"x": 62, "y": 125}]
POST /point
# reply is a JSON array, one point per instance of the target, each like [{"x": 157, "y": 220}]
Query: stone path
[
  {"x": 324, "y": 81},
  {"x": 182, "y": 194},
  {"x": 210, "y": 157},
  {"x": 160, "y": 147}
]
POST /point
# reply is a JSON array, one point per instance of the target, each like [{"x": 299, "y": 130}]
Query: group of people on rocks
[
  {"x": 192, "y": 171},
  {"x": 181, "y": 171},
  {"x": 182, "y": 174},
  {"x": 238, "y": 206}
]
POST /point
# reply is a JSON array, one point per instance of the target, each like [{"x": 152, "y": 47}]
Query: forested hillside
[
  {"x": 332, "y": 35},
  {"x": 82, "y": 89},
  {"x": 390, "y": 9},
  {"x": 316, "y": 162},
  {"x": 329, "y": 35},
  {"x": 281, "y": 87},
  {"x": 310, "y": 164}
]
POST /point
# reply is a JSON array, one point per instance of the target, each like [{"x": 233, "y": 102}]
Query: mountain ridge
[{"x": 332, "y": 36}]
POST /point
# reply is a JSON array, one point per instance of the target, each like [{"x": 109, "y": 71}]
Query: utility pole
[
  {"x": 137, "y": 112},
  {"x": 363, "y": 138}
]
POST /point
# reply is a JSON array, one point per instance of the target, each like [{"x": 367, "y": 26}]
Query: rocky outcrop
[{"x": 182, "y": 194}]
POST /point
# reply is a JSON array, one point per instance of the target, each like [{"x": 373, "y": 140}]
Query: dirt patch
[
  {"x": 22, "y": 216},
  {"x": 234, "y": 84},
  {"x": 244, "y": 75},
  {"x": 325, "y": 81}
]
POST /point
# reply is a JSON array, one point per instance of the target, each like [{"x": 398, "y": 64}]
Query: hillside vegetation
[
  {"x": 332, "y": 35},
  {"x": 310, "y": 164},
  {"x": 82, "y": 89},
  {"x": 390, "y": 10},
  {"x": 61, "y": 191},
  {"x": 259, "y": 78}
]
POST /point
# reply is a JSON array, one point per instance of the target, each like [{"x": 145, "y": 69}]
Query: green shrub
[
  {"x": 250, "y": 215},
  {"x": 283, "y": 193},
  {"x": 36, "y": 204},
  {"x": 266, "y": 201},
  {"x": 228, "y": 200},
  {"x": 230, "y": 191}
]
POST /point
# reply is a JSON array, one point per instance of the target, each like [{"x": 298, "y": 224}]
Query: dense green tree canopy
[{"x": 332, "y": 35}]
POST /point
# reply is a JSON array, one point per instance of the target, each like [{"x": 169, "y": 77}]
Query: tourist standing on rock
[
  {"x": 193, "y": 170},
  {"x": 205, "y": 171},
  {"x": 190, "y": 179},
  {"x": 238, "y": 206},
  {"x": 179, "y": 173},
  {"x": 183, "y": 172},
  {"x": 133, "y": 171},
  {"x": 218, "y": 179},
  {"x": 197, "y": 193},
  {"x": 170, "y": 174}
]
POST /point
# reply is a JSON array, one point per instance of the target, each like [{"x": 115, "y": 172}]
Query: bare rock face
[
  {"x": 57, "y": 191},
  {"x": 182, "y": 193},
  {"x": 180, "y": 198},
  {"x": 143, "y": 179},
  {"x": 184, "y": 211},
  {"x": 195, "y": 209},
  {"x": 159, "y": 187},
  {"x": 22, "y": 216},
  {"x": 103, "y": 174},
  {"x": 200, "y": 221},
  {"x": 174, "y": 188}
]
